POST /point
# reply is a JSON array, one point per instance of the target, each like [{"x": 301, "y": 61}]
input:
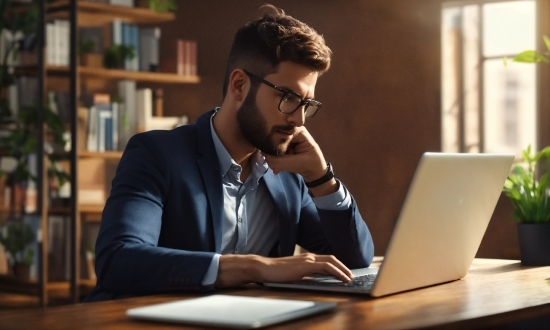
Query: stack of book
[
  {"x": 103, "y": 124},
  {"x": 187, "y": 57},
  {"x": 110, "y": 125},
  {"x": 184, "y": 63},
  {"x": 57, "y": 42}
]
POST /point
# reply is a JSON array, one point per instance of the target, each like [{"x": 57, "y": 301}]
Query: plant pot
[
  {"x": 534, "y": 243},
  {"x": 22, "y": 271},
  {"x": 91, "y": 60}
]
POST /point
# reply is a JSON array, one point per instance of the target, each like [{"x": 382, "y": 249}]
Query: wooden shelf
[
  {"x": 114, "y": 74},
  {"x": 105, "y": 155},
  {"x": 91, "y": 209},
  {"x": 98, "y": 14},
  {"x": 89, "y": 213},
  {"x": 140, "y": 76},
  {"x": 15, "y": 285}
]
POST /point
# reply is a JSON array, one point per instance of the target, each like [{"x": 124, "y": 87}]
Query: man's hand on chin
[{"x": 235, "y": 270}]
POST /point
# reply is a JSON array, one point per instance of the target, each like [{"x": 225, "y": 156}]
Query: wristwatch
[{"x": 325, "y": 178}]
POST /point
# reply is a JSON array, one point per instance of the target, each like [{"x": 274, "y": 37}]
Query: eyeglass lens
[{"x": 290, "y": 102}]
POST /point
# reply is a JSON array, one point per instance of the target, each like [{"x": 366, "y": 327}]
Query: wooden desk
[{"x": 495, "y": 292}]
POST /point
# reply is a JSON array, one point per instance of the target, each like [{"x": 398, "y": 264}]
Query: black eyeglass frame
[{"x": 306, "y": 102}]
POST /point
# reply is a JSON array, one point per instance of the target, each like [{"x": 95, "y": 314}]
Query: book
[
  {"x": 181, "y": 57},
  {"x": 194, "y": 56},
  {"x": 130, "y": 38},
  {"x": 123, "y": 3},
  {"x": 13, "y": 99},
  {"x": 89, "y": 194},
  {"x": 126, "y": 112},
  {"x": 115, "y": 126},
  {"x": 51, "y": 56},
  {"x": 105, "y": 121},
  {"x": 82, "y": 122},
  {"x": 149, "y": 39},
  {"x": 116, "y": 32},
  {"x": 91, "y": 140},
  {"x": 99, "y": 115},
  {"x": 134, "y": 42},
  {"x": 27, "y": 88},
  {"x": 186, "y": 58},
  {"x": 62, "y": 102},
  {"x": 158, "y": 102},
  {"x": 125, "y": 41},
  {"x": 58, "y": 263},
  {"x": 62, "y": 40},
  {"x": 183, "y": 60},
  {"x": 144, "y": 108},
  {"x": 166, "y": 123}
]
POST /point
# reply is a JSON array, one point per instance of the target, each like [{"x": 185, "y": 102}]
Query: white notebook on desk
[{"x": 230, "y": 311}]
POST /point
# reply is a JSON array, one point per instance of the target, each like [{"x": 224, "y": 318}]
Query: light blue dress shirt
[{"x": 250, "y": 223}]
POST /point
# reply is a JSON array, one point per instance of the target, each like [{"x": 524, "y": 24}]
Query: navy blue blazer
[{"x": 162, "y": 222}]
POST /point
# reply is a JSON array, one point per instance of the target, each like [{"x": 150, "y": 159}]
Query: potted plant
[
  {"x": 531, "y": 200},
  {"x": 86, "y": 56},
  {"x": 16, "y": 237},
  {"x": 530, "y": 196},
  {"x": 115, "y": 55}
]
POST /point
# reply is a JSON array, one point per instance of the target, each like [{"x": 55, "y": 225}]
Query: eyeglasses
[{"x": 290, "y": 101}]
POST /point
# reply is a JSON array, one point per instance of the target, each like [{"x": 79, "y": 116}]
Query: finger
[
  {"x": 283, "y": 163},
  {"x": 336, "y": 263},
  {"x": 328, "y": 268}
]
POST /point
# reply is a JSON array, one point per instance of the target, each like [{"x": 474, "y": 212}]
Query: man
[{"x": 223, "y": 202}]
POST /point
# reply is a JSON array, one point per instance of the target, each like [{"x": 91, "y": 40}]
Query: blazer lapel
[
  {"x": 286, "y": 234},
  {"x": 209, "y": 167}
]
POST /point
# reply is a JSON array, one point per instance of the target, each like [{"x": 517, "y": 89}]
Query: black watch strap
[{"x": 325, "y": 178}]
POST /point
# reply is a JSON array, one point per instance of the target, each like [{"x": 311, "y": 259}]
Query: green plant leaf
[
  {"x": 162, "y": 5},
  {"x": 531, "y": 56},
  {"x": 547, "y": 42}
]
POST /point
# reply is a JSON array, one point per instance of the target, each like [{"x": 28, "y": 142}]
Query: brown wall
[{"x": 381, "y": 98}]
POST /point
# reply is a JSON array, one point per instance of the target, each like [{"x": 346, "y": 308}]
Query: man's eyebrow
[{"x": 287, "y": 89}]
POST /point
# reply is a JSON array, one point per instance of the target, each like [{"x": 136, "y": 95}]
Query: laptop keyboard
[{"x": 364, "y": 281}]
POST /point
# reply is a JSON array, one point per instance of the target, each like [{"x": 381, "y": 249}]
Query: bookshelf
[
  {"x": 93, "y": 14},
  {"x": 74, "y": 78}
]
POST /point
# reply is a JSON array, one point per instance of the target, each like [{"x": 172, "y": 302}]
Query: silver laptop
[{"x": 439, "y": 230}]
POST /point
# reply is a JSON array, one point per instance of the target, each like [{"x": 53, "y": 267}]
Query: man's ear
[{"x": 239, "y": 84}]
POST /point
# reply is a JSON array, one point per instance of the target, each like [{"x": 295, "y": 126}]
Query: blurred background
[{"x": 407, "y": 77}]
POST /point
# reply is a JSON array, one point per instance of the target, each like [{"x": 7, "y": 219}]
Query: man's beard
[{"x": 254, "y": 127}]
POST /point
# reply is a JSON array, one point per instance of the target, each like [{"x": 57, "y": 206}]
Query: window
[{"x": 488, "y": 106}]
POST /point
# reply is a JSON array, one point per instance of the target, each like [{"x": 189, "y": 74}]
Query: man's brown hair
[{"x": 262, "y": 44}]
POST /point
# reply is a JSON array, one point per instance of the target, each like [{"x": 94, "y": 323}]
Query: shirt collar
[{"x": 259, "y": 165}]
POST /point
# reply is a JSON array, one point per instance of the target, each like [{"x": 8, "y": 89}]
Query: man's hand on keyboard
[{"x": 236, "y": 270}]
